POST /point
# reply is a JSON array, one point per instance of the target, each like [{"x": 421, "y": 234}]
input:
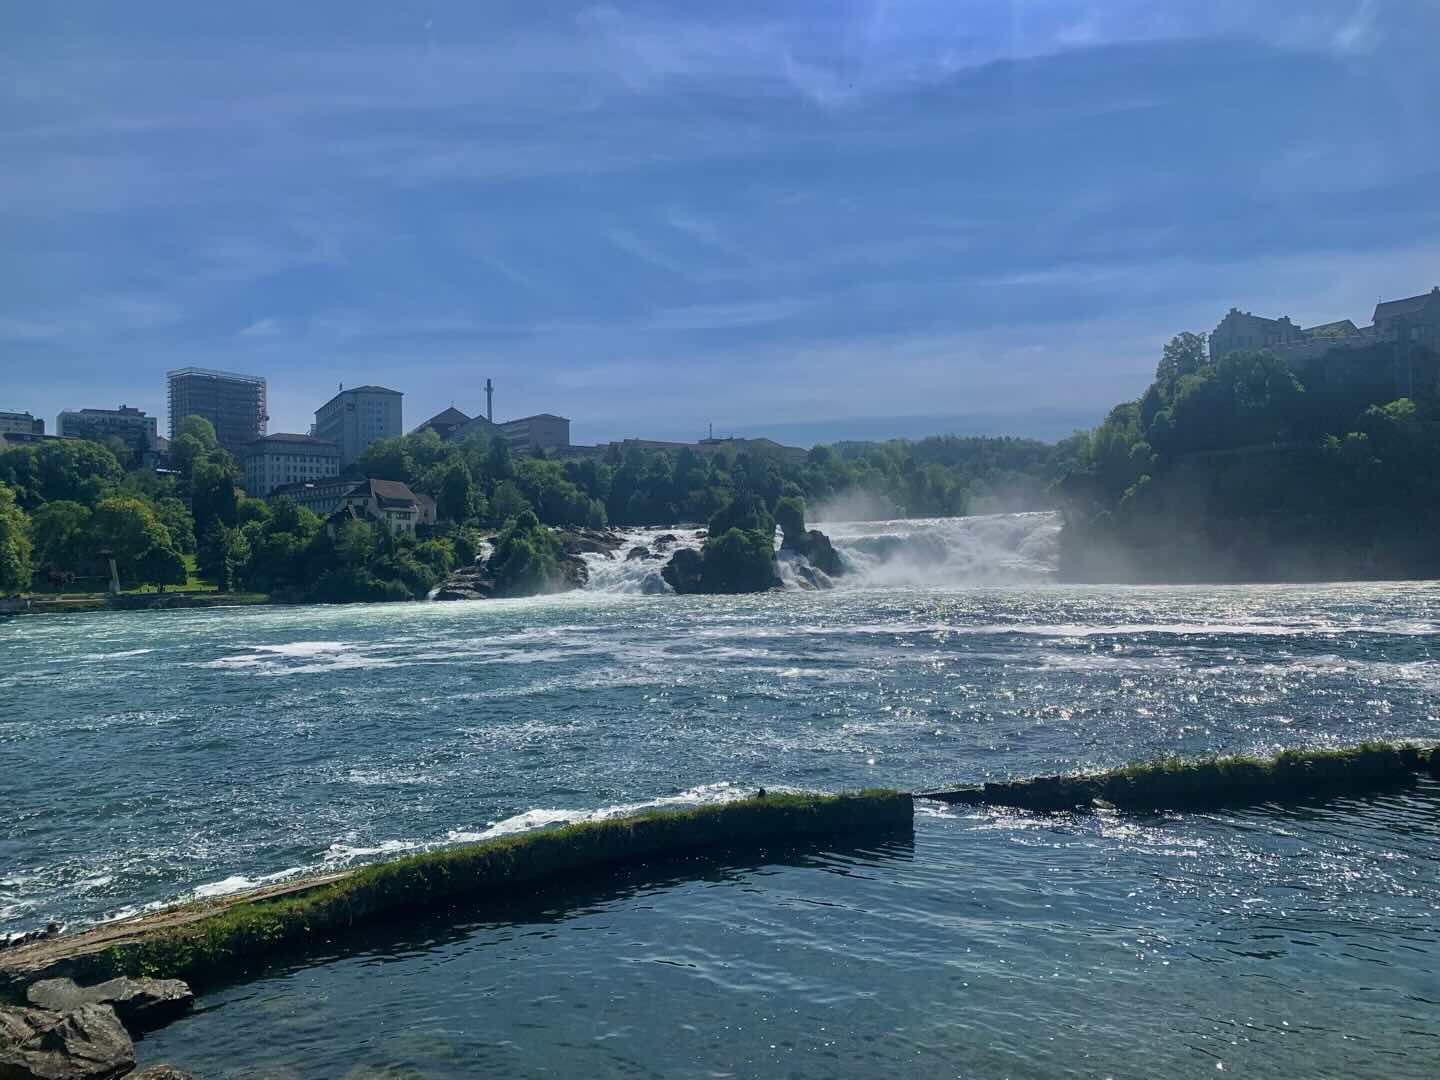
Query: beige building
[
  {"x": 386, "y": 502},
  {"x": 544, "y": 431},
  {"x": 20, "y": 423},
  {"x": 283, "y": 458},
  {"x": 353, "y": 419},
  {"x": 138, "y": 431}
]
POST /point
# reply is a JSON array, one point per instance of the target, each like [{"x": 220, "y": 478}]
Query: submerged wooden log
[
  {"x": 203, "y": 941},
  {"x": 1191, "y": 784}
]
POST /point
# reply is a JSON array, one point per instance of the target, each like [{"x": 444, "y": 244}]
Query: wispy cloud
[{"x": 617, "y": 208}]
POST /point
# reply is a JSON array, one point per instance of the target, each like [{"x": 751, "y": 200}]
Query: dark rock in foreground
[
  {"x": 141, "y": 1004},
  {"x": 88, "y": 1043},
  {"x": 160, "y": 1072}
]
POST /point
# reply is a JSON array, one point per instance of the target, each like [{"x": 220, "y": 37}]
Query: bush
[
  {"x": 739, "y": 561},
  {"x": 527, "y": 559}
]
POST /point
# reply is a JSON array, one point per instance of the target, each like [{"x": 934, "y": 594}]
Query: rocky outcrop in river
[{"x": 550, "y": 562}]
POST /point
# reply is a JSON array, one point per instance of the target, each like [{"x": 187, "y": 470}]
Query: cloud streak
[{"x": 776, "y": 210}]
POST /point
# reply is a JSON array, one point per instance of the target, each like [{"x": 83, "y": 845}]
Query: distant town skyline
[{"x": 813, "y": 222}]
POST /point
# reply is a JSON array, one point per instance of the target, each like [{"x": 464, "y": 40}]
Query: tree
[
  {"x": 498, "y": 463},
  {"x": 72, "y": 469},
  {"x": 128, "y": 528},
  {"x": 1184, "y": 354},
  {"x": 213, "y": 495},
  {"x": 178, "y": 522},
  {"x": 14, "y": 544},
  {"x": 201, "y": 430},
  {"x": 507, "y": 502},
  {"x": 222, "y": 554},
  {"x": 355, "y": 543},
  {"x": 526, "y": 559},
  {"x": 387, "y": 459},
  {"x": 161, "y": 566},
  {"x": 61, "y": 534},
  {"x": 456, "y": 500},
  {"x": 739, "y": 561}
]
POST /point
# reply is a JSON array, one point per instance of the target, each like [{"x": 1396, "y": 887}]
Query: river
[{"x": 146, "y": 757}]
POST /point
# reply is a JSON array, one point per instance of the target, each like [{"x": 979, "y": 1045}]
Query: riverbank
[{"x": 151, "y": 601}]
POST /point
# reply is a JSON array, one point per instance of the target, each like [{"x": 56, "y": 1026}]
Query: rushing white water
[{"x": 988, "y": 549}]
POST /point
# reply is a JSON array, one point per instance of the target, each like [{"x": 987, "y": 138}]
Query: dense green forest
[
  {"x": 941, "y": 476},
  {"x": 68, "y": 506},
  {"x": 1249, "y": 469}
]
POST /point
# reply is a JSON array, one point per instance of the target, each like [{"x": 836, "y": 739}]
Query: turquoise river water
[{"x": 146, "y": 757}]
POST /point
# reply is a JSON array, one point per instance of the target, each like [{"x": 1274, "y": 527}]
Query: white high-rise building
[{"x": 353, "y": 419}]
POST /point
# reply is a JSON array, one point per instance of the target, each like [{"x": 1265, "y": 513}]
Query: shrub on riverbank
[{"x": 1178, "y": 783}]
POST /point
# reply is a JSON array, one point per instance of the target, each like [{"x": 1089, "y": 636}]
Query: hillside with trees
[
  {"x": 68, "y": 507},
  {"x": 1249, "y": 470}
]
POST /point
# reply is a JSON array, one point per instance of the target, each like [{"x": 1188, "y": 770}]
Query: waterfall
[{"x": 986, "y": 549}]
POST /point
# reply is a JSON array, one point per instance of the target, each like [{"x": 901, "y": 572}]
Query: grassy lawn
[{"x": 86, "y": 588}]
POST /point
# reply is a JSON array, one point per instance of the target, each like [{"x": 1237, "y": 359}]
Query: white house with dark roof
[
  {"x": 386, "y": 502},
  {"x": 355, "y": 418}
]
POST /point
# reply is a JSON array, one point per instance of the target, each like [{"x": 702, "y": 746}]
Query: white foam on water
[
  {"x": 539, "y": 818},
  {"x": 988, "y": 549},
  {"x": 638, "y": 576},
  {"x": 239, "y": 883},
  {"x": 122, "y": 655}
]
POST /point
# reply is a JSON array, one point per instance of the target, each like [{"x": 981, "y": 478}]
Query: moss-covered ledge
[
  {"x": 1179, "y": 783},
  {"x": 203, "y": 941}
]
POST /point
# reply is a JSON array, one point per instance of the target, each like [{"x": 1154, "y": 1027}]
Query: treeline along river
[{"x": 150, "y": 756}]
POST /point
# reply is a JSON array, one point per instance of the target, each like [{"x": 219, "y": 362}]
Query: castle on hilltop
[{"x": 1414, "y": 319}]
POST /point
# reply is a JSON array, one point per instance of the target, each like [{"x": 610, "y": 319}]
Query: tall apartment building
[
  {"x": 279, "y": 459},
  {"x": 20, "y": 423},
  {"x": 353, "y": 419},
  {"x": 138, "y": 431},
  {"x": 235, "y": 404}
]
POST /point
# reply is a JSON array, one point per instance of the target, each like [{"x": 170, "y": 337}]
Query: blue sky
[{"x": 813, "y": 220}]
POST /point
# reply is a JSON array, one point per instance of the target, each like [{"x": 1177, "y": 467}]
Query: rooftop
[
  {"x": 450, "y": 417},
  {"x": 289, "y": 437},
  {"x": 258, "y": 380},
  {"x": 537, "y": 416},
  {"x": 366, "y": 389},
  {"x": 1410, "y": 305}
]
